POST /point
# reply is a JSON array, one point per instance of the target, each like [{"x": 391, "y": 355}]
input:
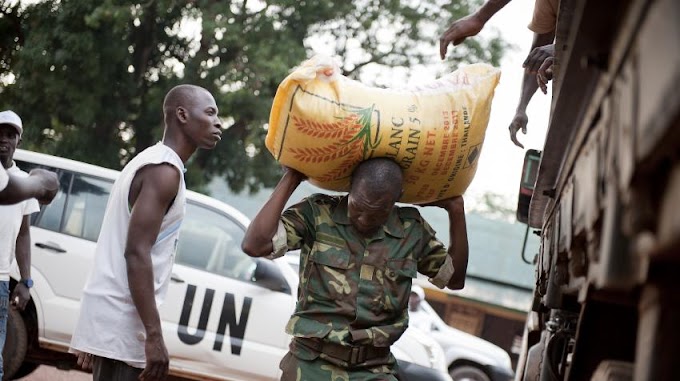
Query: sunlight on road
[{"x": 48, "y": 373}]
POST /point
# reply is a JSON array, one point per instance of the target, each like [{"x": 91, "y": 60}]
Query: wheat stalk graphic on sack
[{"x": 352, "y": 135}]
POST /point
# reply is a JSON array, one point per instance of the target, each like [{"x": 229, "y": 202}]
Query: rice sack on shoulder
[{"x": 323, "y": 124}]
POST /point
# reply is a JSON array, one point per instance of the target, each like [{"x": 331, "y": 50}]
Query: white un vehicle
[
  {"x": 469, "y": 357},
  {"x": 225, "y": 312}
]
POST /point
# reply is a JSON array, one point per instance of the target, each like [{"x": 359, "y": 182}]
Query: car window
[
  {"x": 50, "y": 215},
  {"x": 52, "y": 219},
  {"x": 86, "y": 206},
  {"x": 79, "y": 206},
  {"x": 211, "y": 241}
]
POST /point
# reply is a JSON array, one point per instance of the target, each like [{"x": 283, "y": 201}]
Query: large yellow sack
[{"x": 323, "y": 124}]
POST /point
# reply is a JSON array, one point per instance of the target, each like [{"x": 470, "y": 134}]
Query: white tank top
[
  {"x": 109, "y": 325},
  {"x": 4, "y": 178}
]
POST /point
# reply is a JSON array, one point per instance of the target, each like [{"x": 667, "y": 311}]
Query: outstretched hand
[
  {"x": 537, "y": 57},
  {"x": 461, "y": 29},
  {"x": 545, "y": 74},
  {"x": 519, "y": 122},
  {"x": 49, "y": 184}
]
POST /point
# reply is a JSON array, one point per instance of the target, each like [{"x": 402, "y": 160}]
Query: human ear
[
  {"x": 398, "y": 197},
  {"x": 181, "y": 114}
]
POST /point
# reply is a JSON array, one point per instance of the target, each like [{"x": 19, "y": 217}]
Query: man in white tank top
[{"x": 118, "y": 334}]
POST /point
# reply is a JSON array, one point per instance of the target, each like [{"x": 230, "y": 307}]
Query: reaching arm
[
  {"x": 469, "y": 25},
  {"x": 41, "y": 184},
  {"x": 257, "y": 241},
  {"x": 21, "y": 294},
  {"x": 539, "y": 53},
  {"x": 529, "y": 84},
  {"x": 152, "y": 192}
]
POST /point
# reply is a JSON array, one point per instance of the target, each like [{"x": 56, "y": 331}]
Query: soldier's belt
[{"x": 352, "y": 355}]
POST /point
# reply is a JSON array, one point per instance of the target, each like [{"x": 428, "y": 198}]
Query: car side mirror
[
  {"x": 532, "y": 160},
  {"x": 268, "y": 275}
]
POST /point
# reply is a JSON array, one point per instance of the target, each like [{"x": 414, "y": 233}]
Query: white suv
[
  {"x": 225, "y": 312},
  {"x": 468, "y": 357}
]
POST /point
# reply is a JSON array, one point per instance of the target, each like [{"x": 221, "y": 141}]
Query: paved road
[{"x": 48, "y": 373}]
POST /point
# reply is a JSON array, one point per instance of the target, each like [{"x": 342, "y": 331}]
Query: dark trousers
[{"x": 104, "y": 369}]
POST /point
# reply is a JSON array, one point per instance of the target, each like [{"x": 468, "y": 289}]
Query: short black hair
[
  {"x": 380, "y": 175},
  {"x": 180, "y": 95}
]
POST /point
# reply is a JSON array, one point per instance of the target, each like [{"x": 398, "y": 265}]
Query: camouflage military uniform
[{"x": 353, "y": 291}]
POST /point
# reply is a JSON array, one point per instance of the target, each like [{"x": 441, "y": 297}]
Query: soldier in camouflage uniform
[{"x": 358, "y": 256}]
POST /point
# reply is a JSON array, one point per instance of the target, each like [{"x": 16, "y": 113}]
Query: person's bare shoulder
[{"x": 160, "y": 181}]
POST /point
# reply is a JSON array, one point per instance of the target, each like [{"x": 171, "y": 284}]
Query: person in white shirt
[
  {"x": 4, "y": 179},
  {"x": 15, "y": 238},
  {"x": 118, "y": 335},
  {"x": 417, "y": 316},
  {"x": 40, "y": 184}
]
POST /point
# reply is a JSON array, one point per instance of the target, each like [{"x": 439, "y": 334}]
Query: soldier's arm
[
  {"x": 446, "y": 267},
  {"x": 458, "y": 246},
  {"x": 258, "y": 238}
]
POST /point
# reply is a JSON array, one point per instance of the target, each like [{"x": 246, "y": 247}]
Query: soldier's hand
[
  {"x": 297, "y": 175},
  {"x": 450, "y": 204}
]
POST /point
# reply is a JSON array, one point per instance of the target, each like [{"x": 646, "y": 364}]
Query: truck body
[{"x": 606, "y": 198}]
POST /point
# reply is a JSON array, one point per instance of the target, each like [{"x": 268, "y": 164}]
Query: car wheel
[
  {"x": 15, "y": 344},
  {"x": 468, "y": 373},
  {"x": 25, "y": 369}
]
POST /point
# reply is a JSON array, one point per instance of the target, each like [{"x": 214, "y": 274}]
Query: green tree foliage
[
  {"x": 493, "y": 205},
  {"x": 88, "y": 77}
]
